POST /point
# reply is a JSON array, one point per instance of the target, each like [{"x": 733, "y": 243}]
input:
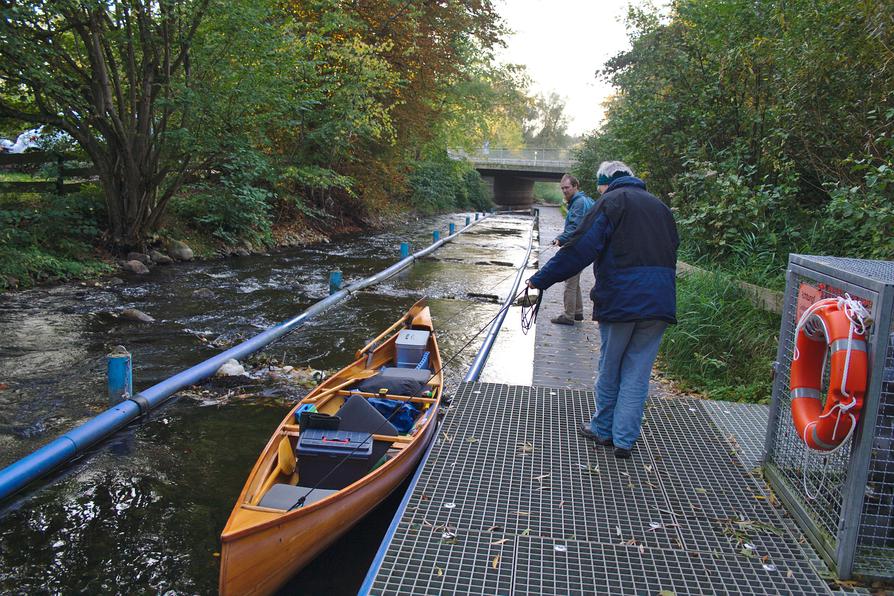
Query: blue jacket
[
  {"x": 631, "y": 238},
  {"x": 577, "y": 209}
]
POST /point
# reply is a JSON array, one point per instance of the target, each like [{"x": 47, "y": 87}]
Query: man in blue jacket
[
  {"x": 631, "y": 238},
  {"x": 577, "y": 204}
]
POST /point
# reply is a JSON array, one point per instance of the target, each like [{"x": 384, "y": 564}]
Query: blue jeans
[{"x": 626, "y": 355}]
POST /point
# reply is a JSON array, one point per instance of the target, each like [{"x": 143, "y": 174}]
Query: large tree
[{"x": 115, "y": 75}]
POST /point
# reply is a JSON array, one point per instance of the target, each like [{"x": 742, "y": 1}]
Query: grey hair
[{"x": 611, "y": 168}]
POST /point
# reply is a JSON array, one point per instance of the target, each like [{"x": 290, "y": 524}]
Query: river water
[{"x": 142, "y": 511}]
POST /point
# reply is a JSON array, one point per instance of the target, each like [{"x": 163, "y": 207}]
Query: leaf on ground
[
  {"x": 648, "y": 468},
  {"x": 526, "y": 532},
  {"x": 701, "y": 491},
  {"x": 500, "y": 541},
  {"x": 439, "y": 571},
  {"x": 541, "y": 477},
  {"x": 447, "y": 438},
  {"x": 472, "y": 440},
  {"x": 496, "y": 562},
  {"x": 666, "y": 593},
  {"x": 522, "y": 513},
  {"x": 493, "y": 528},
  {"x": 526, "y": 447}
]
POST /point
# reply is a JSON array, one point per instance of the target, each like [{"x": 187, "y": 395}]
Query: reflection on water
[{"x": 143, "y": 511}]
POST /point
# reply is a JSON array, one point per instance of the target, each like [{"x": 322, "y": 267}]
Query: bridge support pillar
[{"x": 513, "y": 192}]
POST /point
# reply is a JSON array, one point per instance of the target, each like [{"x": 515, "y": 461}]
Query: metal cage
[{"x": 843, "y": 501}]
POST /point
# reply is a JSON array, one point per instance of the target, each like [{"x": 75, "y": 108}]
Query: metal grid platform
[
  {"x": 512, "y": 501},
  {"x": 745, "y": 427}
]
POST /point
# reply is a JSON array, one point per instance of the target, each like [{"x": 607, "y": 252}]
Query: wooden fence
[{"x": 58, "y": 186}]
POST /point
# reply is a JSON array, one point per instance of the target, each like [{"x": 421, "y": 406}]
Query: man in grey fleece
[{"x": 578, "y": 204}]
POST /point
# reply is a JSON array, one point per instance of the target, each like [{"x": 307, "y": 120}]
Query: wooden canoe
[{"x": 263, "y": 546}]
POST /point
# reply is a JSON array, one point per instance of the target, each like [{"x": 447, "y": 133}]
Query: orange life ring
[{"x": 827, "y": 325}]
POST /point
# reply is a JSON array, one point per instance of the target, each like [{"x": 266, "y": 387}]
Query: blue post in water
[
  {"x": 468, "y": 220},
  {"x": 334, "y": 282},
  {"x": 476, "y": 216},
  {"x": 452, "y": 229},
  {"x": 435, "y": 236},
  {"x": 404, "y": 250},
  {"x": 120, "y": 375}
]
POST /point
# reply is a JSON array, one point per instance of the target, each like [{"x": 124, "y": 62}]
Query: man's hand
[
  {"x": 555, "y": 242},
  {"x": 530, "y": 285}
]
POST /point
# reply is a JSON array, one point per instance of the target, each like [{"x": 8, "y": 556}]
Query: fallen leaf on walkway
[
  {"x": 666, "y": 593},
  {"x": 493, "y": 529},
  {"x": 647, "y": 467},
  {"x": 496, "y": 562},
  {"x": 472, "y": 440},
  {"x": 541, "y": 477},
  {"x": 701, "y": 491},
  {"x": 447, "y": 437},
  {"x": 526, "y": 532},
  {"x": 526, "y": 447},
  {"x": 500, "y": 541},
  {"x": 522, "y": 513},
  {"x": 439, "y": 571}
]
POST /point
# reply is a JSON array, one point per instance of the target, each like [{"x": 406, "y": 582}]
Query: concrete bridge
[{"x": 511, "y": 173}]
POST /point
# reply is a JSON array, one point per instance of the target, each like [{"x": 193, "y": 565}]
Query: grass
[{"x": 723, "y": 346}]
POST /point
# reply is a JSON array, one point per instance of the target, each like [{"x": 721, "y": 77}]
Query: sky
[{"x": 562, "y": 43}]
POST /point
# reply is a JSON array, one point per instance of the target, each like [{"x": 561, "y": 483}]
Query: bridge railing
[{"x": 523, "y": 157}]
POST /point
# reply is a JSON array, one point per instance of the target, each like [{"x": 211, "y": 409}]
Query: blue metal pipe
[
  {"x": 24, "y": 471},
  {"x": 488, "y": 343}
]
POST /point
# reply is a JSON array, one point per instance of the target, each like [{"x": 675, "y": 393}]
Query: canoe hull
[{"x": 297, "y": 539}]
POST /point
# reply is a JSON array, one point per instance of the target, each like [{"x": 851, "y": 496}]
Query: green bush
[
  {"x": 49, "y": 236},
  {"x": 237, "y": 206},
  {"x": 723, "y": 345},
  {"x": 444, "y": 184},
  {"x": 548, "y": 192}
]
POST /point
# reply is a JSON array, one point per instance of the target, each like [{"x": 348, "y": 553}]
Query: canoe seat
[{"x": 284, "y": 496}]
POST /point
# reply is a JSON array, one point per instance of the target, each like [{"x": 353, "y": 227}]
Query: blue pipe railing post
[
  {"x": 334, "y": 282},
  {"x": 435, "y": 236},
  {"x": 120, "y": 375},
  {"x": 404, "y": 250},
  {"x": 452, "y": 229},
  {"x": 476, "y": 216},
  {"x": 468, "y": 220}
]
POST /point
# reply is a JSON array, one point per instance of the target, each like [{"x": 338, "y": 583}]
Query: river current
[{"x": 142, "y": 511}]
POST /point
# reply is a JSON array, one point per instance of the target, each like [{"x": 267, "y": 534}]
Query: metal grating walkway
[{"x": 512, "y": 501}]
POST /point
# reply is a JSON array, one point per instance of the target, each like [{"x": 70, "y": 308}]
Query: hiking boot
[
  {"x": 622, "y": 453},
  {"x": 562, "y": 320},
  {"x": 583, "y": 429},
  {"x": 578, "y": 317}
]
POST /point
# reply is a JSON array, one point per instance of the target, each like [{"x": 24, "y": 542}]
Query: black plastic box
[{"x": 333, "y": 459}]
